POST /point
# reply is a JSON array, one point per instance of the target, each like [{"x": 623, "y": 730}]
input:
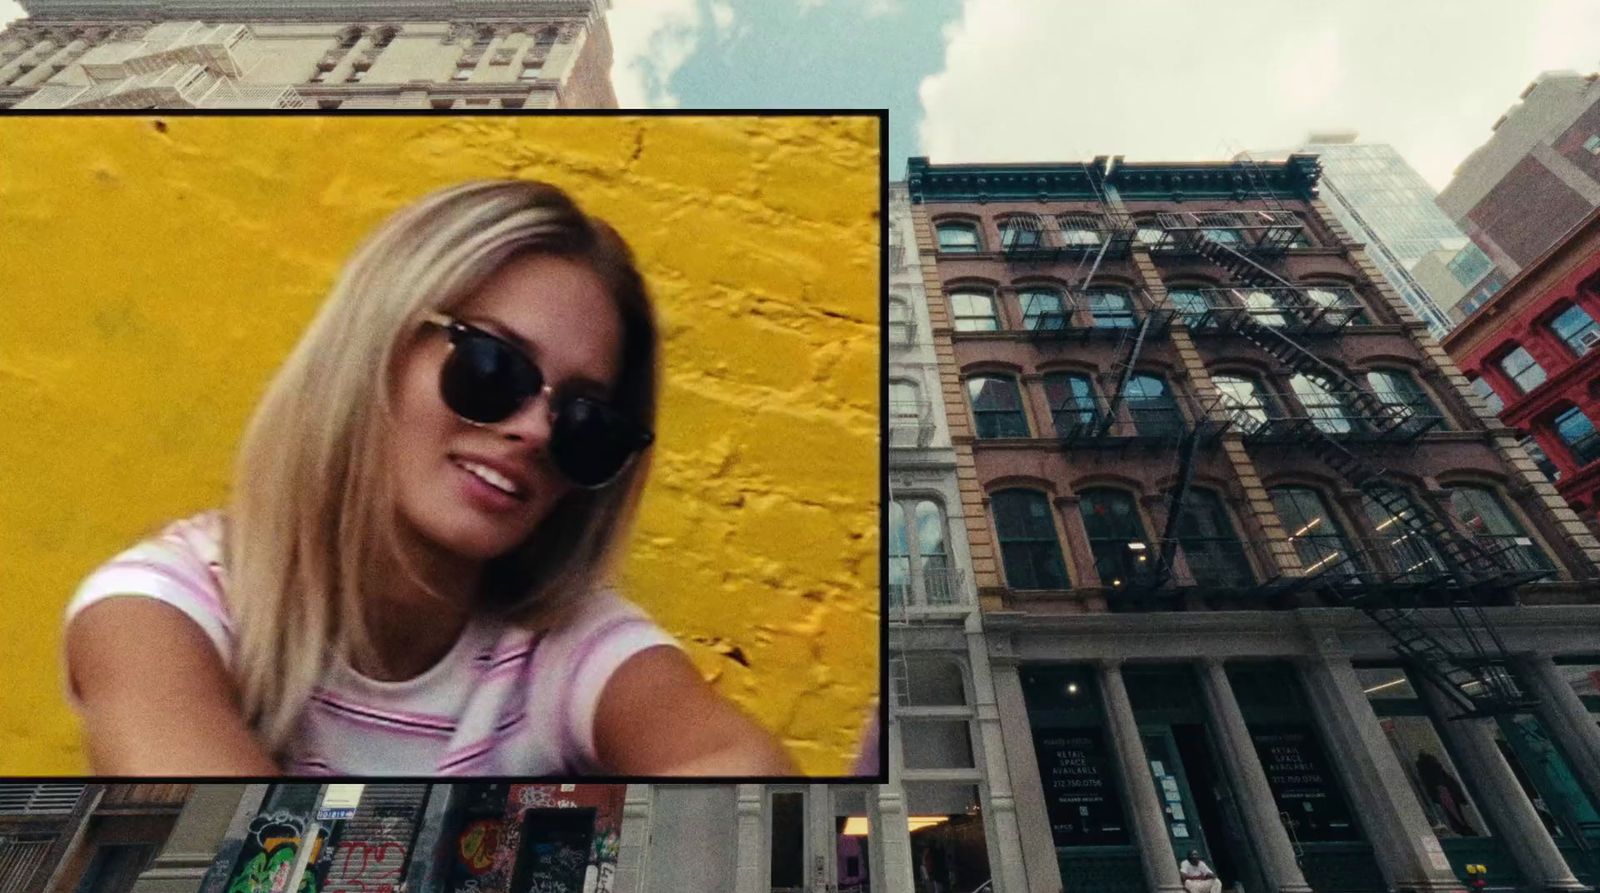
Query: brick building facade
[
  {"x": 1531, "y": 352},
  {"x": 1226, "y": 504},
  {"x": 122, "y": 54}
]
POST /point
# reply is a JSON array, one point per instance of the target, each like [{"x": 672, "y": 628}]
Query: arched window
[
  {"x": 1219, "y": 227},
  {"x": 899, "y": 557},
  {"x": 1151, "y": 405},
  {"x": 933, "y": 682},
  {"x": 1150, "y": 234},
  {"x": 1264, "y": 308},
  {"x": 1325, "y": 409},
  {"x": 1337, "y": 303},
  {"x": 1029, "y": 549},
  {"x": 1480, "y": 510},
  {"x": 1210, "y": 546},
  {"x": 973, "y": 311},
  {"x": 1042, "y": 308},
  {"x": 1318, "y": 538},
  {"x": 1122, "y": 552},
  {"x": 1072, "y": 402},
  {"x": 920, "y": 569},
  {"x": 1400, "y": 390},
  {"x": 1110, "y": 309},
  {"x": 1079, "y": 231},
  {"x": 938, "y": 585},
  {"x": 1249, "y": 405},
  {"x": 1406, "y": 550},
  {"x": 1022, "y": 232},
  {"x": 996, "y": 407},
  {"x": 1577, "y": 431},
  {"x": 1194, "y": 306},
  {"x": 1577, "y": 329},
  {"x": 957, "y": 238}
]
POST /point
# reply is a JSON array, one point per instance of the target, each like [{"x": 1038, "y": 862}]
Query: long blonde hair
[{"x": 313, "y": 510}]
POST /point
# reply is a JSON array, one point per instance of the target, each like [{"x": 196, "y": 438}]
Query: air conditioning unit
[{"x": 1587, "y": 340}]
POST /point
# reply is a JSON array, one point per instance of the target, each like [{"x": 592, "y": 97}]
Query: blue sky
[{"x": 1031, "y": 80}]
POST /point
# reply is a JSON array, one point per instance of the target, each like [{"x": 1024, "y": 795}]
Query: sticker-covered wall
[{"x": 157, "y": 271}]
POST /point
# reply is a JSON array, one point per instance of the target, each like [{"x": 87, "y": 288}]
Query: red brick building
[{"x": 1530, "y": 352}]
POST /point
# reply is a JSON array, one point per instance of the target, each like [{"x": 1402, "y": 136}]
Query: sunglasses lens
[
  {"x": 591, "y": 442},
  {"x": 486, "y": 381}
]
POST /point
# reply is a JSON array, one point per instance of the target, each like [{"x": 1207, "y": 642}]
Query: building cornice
[
  {"x": 1530, "y": 284},
  {"x": 1294, "y": 178},
  {"x": 49, "y": 11},
  {"x": 928, "y": 182}
]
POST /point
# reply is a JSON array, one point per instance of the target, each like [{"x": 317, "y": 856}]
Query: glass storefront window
[
  {"x": 1082, "y": 798},
  {"x": 1433, "y": 775},
  {"x": 949, "y": 850},
  {"x": 936, "y": 744}
]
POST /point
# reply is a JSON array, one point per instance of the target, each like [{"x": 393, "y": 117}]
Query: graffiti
[
  {"x": 477, "y": 845},
  {"x": 605, "y": 846},
  {"x": 536, "y": 796},
  {"x": 366, "y": 866},
  {"x": 608, "y": 871},
  {"x": 273, "y": 840}
]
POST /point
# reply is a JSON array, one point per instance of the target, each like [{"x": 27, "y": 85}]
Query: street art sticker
[{"x": 477, "y": 845}]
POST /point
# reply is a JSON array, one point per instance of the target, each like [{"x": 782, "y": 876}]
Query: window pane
[
  {"x": 1210, "y": 546},
  {"x": 1110, "y": 310},
  {"x": 1263, "y": 307},
  {"x": 1315, "y": 532},
  {"x": 1408, "y": 552},
  {"x": 1577, "y": 432},
  {"x": 974, "y": 312},
  {"x": 1577, "y": 328},
  {"x": 1324, "y": 409},
  {"x": 997, "y": 407},
  {"x": 899, "y": 556},
  {"x": 1483, "y": 389},
  {"x": 1192, "y": 306},
  {"x": 936, "y": 744},
  {"x": 937, "y": 582},
  {"x": 788, "y": 840},
  {"x": 948, "y": 849},
  {"x": 934, "y": 682},
  {"x": 1072, "y": 402},
  {"x": 1117, "y": 539},
  {"x": 958, "y": 237},
  {"x": 1400, "y": 390},
  {"x": 1150, "y": 403},
  {"x": 1041, "y": 310},
  {"x": 1486, "y": 518},
  {"x": 1537, "y": 454},
  {"x": 1245, "y": 399},
  {"x": 1029, "y": 550},
  {"x": 1521, "y": 367}
]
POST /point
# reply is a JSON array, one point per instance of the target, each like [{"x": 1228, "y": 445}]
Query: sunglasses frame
[{"x": 454, "y": 328}]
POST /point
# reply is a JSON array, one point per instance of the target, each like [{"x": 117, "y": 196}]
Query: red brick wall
[{"x": 1527, "y": 211}]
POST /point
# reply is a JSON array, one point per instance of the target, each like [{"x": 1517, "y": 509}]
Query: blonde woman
[{"x": 411, "y": 574}]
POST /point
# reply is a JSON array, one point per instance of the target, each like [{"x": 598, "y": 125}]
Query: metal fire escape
[{"x": 1464, "y": 661}]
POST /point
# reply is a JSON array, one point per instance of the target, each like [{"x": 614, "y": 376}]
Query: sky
[{"x": 1156, "y": 80}]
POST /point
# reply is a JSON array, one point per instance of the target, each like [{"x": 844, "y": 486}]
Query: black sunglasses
[{"x": 487, "y": 379}]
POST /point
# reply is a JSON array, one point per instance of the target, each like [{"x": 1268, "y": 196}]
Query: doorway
[{"x": 553, "y": 855}]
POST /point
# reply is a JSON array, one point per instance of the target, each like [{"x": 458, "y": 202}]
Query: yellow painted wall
[{"x": 156, "y": 271}]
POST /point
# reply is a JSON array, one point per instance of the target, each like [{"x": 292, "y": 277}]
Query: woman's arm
[
  {"x": 155, "y": 696},
  {"x": 656, "y": 716}
]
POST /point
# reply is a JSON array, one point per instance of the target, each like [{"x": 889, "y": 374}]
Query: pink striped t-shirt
[{"x": 502, "y": 701}]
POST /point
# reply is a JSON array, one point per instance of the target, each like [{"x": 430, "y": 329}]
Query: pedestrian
[{"x": 1198, "y": 876}]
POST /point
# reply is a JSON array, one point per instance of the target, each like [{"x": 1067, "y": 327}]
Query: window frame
[
  {"x": 1514, "y": 377},
  {"x": 1034, "y": 542},
  {"x": 1071, "y": 379},
  {"x": 980, "y": 415},
  {"x": 1124, "y": 563},
  {"x": 1589, "y": 442},
  {"x": 957, "y": 317},
  {"x": 967, "y": 226},
  {"x": 1574, "y": 342},
  {"x": 1031, "y": 318}
]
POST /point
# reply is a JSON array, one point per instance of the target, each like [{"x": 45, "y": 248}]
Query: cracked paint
[{"x": 160, "y": 269}]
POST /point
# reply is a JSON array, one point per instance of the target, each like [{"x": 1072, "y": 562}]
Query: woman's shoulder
[{"x": 181, "y": 565}]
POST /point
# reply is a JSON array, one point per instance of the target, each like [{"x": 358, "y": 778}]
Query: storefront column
[
  {"x": 1408, "y": 853},
  {"x": 1505, "y": 804},
  {"x": 1249, "y": 782},
  {"x": 425, "y": 866},
  {"x": 1039, "y": 860},
  {"x": 633, "y": 847},
  {"x": 1133, "y": 767},
  {"x": 1001, "y": 828},
  {"x": 751, "y": 859},
  {"x": 1562, "y": 712},
  {"x": 890, "y": 836}
]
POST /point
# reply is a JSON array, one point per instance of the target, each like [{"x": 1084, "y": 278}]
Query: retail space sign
[
  {"x": 1305, "y": 789},
  {"x": 1080, "y": 792}
]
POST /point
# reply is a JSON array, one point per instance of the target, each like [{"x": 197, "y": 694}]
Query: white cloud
[
  {"x": 1029, "y": 80},
  {"x": 871, "y": 9},
  {"x": 650, "y": 40},
  {"x": 10, "y": 11},
  {"x": 722, "y": 17}
]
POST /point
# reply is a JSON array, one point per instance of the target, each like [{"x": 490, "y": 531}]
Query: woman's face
[{"x": 559, "y": 313}]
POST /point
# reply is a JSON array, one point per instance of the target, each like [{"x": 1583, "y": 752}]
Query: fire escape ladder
[
  {"x": 1169, "y": 533},
  {"x": 1123, "y": 369},
  {"x": 1094, "y": 266}
]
